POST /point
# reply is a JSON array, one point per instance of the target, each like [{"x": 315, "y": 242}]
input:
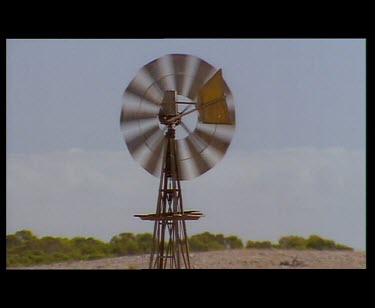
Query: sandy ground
[{"x": 234, "y": 259}]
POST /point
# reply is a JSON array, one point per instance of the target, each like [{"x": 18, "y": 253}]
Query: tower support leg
[{"x": 170, "y": 242}]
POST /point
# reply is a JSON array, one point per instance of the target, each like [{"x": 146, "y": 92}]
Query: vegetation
[
  {"x": 258, "y": 244},
  {"x": 297, "y": 242},
  {"x": 342, "y": 247},
  {"x": 130, "y": 244},
  {"x": 24, "y": 248},
  {"x": 207, "y": 241},
  {"x": 292, "y": 242}
]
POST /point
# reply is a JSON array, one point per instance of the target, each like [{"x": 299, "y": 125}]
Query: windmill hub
[
  {"x": 176, "y": 135},
  {"x": 168, "y": 113}
]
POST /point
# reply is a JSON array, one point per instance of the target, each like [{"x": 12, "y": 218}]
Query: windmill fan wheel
[{"x": 159, "y": 96}]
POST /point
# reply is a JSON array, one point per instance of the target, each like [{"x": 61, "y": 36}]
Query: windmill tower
[{"x": 178, "y": 121}]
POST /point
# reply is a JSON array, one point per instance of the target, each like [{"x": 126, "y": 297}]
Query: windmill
[{"x": 178, "y": 121}]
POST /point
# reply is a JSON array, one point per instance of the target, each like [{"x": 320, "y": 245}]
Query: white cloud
[{"x": 256, "y": 195}]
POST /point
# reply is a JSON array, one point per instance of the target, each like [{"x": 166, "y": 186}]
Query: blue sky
[{"x": 297, "y": 157}]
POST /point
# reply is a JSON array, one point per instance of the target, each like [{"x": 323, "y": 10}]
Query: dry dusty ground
[{"x": 235, "y": 259}]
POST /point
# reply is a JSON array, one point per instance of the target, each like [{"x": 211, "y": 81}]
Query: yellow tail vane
[{"x": 211, "y": 104}]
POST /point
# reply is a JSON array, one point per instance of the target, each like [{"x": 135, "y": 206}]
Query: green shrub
[
  {"x": 89, "y": 248},
  {"x": 144, "y": 241},
  {"x": 13, "y": 241},
  {"x": 25, "y": 235},
  {"x": 312, "y": 242},
  {"x": 124, "y": 244},
  {"x": 292, "y": 242},
  {"x": 207, "y": 241},
  {"x": 233, "y": 242},
  {"x": 316, "y": 242},
  {"x": 259, "y": 244},
  {"x": 250, "y": 244},
  {"x": 263, "y": 244},
  {"x": 343, "y": 247}
]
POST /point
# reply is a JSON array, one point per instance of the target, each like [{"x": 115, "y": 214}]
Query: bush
[
  {"x": 250, "y": 244},
  {"x": 343, "y": 247},
  {"x": 259, "y": 244},
  {"x": 292, "y": 242},
  {"x": 318, "y": 243},
  {"x": 25, "y": 235},
  {"x": 89, "y": 248},
  {"x": 24, "y": 248},
  {"x": 124, "y": 244},
  {"x": 50, "y": 245},
  {"x": 233, "y": 242},
  {"x": 207, "y": 241},
  {"x": 312, "y": 242},
  {"x": 13, "y": 241},
  {"x": 144, "y": 241}
]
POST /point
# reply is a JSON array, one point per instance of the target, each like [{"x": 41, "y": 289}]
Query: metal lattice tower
[{"x": 170, "y": 242}]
